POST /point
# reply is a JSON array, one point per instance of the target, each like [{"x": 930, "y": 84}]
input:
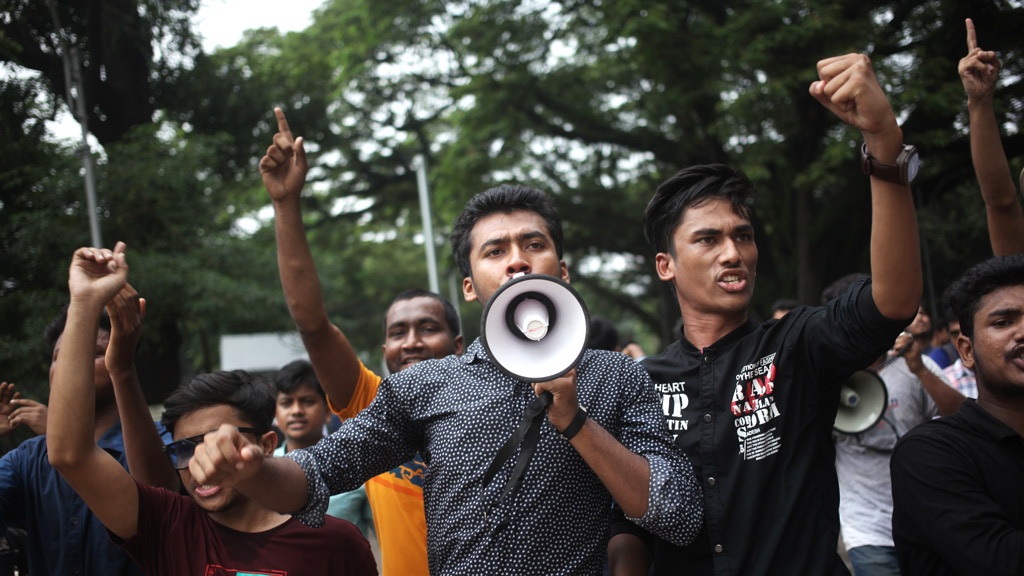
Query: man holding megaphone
[{"x": 490, "y": 510}]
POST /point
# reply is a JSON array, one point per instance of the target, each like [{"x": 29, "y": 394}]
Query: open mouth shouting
[{"x": 733, "y": 280}]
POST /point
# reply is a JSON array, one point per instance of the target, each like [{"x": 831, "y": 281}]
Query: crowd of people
[{"x": 717, "y": 456}]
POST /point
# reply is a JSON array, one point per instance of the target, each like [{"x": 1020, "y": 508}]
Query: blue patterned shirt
[{"x": 457, "y": 412}]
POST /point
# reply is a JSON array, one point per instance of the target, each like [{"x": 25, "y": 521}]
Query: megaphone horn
[
  {"x": 863, "y": 399},
  {"x": 529, "y": 315},
  {"x": 535, "y": 327}
]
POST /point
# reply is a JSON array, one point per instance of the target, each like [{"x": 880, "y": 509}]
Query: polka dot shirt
[{"x": 457, "y": 412}]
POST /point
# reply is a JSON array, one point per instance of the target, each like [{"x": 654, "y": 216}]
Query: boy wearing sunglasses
[{"x": 216, "y": 531}]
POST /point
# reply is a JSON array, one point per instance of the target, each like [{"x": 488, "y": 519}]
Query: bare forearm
[
  {"x": 1005, "y": 219},
  {"x": 947, "y": 399},
  {"x": 895, "y": 255},
  {"x": 280, "y": 485},
  {"x": 299, "y": 279},
  {"x": 333, "y": 358},
  {"x": 626, "y": 475},
  {"x": 990, "y": 165},
  {"x": 72, "y": 408},
  {"x": 142, "y": 442},
  {"x": 628, "y": 556}
]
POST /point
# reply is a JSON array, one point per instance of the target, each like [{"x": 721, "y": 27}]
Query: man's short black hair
[
  {"x": 504, "y": 199},
  {"x": 603, "y": 334},
  {"x": 691, "y": 187},
  {"x": 966, "y": 292},
  {"x": 950, "y": 317},
  {"x": 55, "y": 328},
  {"x": 295, "y": 374},
  {"x": 840, "y": 286},
  {"x": 249, "y": 395},
  {"x": 451, "y": 317},
  {"x": 786, "y": 304}
]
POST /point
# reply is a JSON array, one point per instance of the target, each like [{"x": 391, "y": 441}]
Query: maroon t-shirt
[{"x": 176, "y": 537}]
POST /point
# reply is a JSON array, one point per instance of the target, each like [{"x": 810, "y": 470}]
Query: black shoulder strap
[{"x": 528, "y": 434}]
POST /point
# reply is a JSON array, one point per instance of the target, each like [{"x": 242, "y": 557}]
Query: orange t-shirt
[{"x": 396, "y": 498}]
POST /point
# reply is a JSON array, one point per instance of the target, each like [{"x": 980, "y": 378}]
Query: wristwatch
[
  {"x": 577, "y": 423},
  {"x": 902, "y": 172}
]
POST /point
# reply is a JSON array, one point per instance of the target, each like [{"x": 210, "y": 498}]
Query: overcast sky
[{"x": 221, "y": 24}]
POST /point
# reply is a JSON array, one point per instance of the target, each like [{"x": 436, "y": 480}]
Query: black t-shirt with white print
[{"x": 754, "y": 414}]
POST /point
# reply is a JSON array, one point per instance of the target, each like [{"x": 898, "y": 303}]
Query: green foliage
[
  {"x": 595, "y": 101},
  {"x": 41, "y": 211}
]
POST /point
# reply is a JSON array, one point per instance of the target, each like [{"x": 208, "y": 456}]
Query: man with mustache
[
  {"x": 604, "y": 436},
  {"x": 958, "y": 499}
]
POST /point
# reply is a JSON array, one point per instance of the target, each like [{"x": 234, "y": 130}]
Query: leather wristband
[
  {"x": 576, "y": 425},
  {"x": 902, "y": 172}
]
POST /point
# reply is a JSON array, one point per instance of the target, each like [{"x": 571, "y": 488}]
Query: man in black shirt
[
  {"x": 752, "y": 405},
  {"x": 957, "y": 486}
]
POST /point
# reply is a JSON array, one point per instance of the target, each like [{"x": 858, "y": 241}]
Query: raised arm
[
  {"x": 649, "y": 479},
  {"x": 947, "y": 399},
  {"x": 15, "y": 411},
  {"x": 979, "y": 72},
  {"x": 284, "y": 171},
  {"x": 96, "y": 275},
  {"x": 849, "y": 89},
  {"x": 626, "y": 475},
  {"x": 142, "y": 442}
]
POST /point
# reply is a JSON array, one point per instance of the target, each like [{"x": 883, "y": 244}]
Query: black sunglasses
[{"x": 180, "y": 452}]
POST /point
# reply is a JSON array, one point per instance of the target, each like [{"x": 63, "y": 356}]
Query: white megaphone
[
  {"x": 535, "y": 327},
  {"x": 863, "y": 399}
]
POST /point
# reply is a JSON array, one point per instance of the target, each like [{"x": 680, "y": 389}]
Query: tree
[
  {"x": 117, "y": 43},
  {"x": 598, "y": 101},
  {"x": 594, "y": 101},
  {"x": 40, "y": 210}
]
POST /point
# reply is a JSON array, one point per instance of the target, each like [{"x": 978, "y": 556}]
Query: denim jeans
[{"x": 874, "y": 561}]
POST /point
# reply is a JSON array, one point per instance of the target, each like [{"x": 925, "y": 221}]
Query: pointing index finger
[
  {"x": 282, "y": 123},
  {"x": 972, "y": 36}
]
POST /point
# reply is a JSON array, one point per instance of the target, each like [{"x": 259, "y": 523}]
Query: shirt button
[
  {"x": 712, "y": 481},
  {"x": 707, "y": 417},
  {"x": 707, "y": 359},
  {"x": 74, "y": 520},
  {"x": 718, "y": 548}
]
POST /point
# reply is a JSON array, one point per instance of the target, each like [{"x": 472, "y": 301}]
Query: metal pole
[
  {"x": 455, "y": 294},
  {"x": 86, "y": 153},
  {"x": 420, "y": 163},
  {"x": 76, "y": 103}
]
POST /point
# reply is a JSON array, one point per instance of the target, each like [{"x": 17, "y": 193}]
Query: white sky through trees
[{"x": 221, "y": 24}]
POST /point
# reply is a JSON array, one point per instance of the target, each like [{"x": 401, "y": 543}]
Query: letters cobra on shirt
[{"x": 754, "y": 407}]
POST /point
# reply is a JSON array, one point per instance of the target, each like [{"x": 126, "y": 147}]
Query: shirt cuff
[
  {"x": 674, "y": 502},
  {"x": 319, "y": 496}
]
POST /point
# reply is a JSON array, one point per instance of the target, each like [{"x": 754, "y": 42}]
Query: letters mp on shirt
[{"x": 673, "y": 403}]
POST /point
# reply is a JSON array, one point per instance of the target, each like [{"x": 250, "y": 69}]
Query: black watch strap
[{"x": 576, "y": 425}]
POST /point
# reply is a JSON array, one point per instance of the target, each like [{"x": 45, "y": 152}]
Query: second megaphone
[
  {"x": 535, "y": 327},
  {"x": 863, "y": 399}
]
